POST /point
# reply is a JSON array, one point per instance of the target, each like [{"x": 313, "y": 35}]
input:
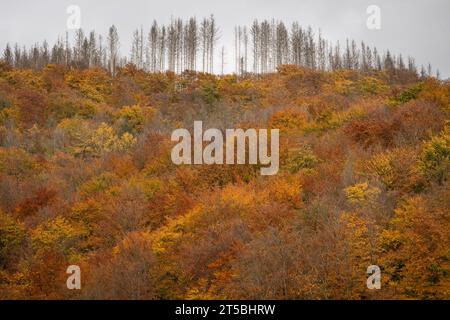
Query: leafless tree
[
  {"x": 137, "y": 49},
  {"x": 113, "y": 50},
  {"x": 180, "y": 46},
  {"x": 8, "y": 55},
  {"x": 256, "y": 40}
]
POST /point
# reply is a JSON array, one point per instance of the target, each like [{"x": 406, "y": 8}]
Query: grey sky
[{"x": 412, "y": 27}]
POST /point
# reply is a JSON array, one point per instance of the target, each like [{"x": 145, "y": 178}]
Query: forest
[
  {"x": 191, "y": 45},
  {"x": 86, "y": 176}
]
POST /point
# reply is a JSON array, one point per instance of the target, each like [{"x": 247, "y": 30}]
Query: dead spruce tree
[{"x": 190, "y": 45}]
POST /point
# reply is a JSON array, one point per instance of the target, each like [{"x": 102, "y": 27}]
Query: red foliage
[
  {"x": 42, "y": 198},
  {"x": 32, "y": 107},
  {"x": 376, "y": 129}
]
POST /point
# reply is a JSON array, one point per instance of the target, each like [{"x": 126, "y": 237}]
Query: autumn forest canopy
[{"x": 86, "y": 176}]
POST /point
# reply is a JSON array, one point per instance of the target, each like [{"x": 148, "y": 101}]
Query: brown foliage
[
  {"x": 375, "y": 130},
  {"x": 40, "y": 199},
  {"x": 32, "y": 105}
]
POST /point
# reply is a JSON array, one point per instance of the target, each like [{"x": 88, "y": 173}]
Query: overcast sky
[{"x": 412, "y": 27}]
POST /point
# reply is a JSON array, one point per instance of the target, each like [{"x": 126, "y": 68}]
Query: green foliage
[
  {"x": 301, "y": 159},
  {"x": 406, "y": 96},
  {"x": 209, "y": 92}
]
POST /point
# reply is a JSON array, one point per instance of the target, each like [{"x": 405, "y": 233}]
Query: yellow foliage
[
  {"x": 288, "y": 119},
  {"x": 93, "y": 83},
  {"x": 132, "y": 118},
  {"x": 435, "y": 158},
  {"x": 55, "y": 234},
  {"x": 286, "y": 190},
  {"x": 361, "y": 194},
  {"x": 12, "y": 236},
  {"x": 103, "y": 140},
  {"x": 415, "y": 250}
]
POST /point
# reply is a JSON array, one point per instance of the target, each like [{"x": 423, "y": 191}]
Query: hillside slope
[{"x": 86, "y": 178}]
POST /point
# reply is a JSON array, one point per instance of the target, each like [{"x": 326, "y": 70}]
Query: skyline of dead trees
[
  {"x": 273, "y": 44},
  {"x": 191, "y": 45}
]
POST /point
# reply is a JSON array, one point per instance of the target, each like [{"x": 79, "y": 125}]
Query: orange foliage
[{"x": 86, "y": 178}]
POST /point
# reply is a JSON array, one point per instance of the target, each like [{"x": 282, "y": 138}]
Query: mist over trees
[{"x": 191, "y": 45}]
